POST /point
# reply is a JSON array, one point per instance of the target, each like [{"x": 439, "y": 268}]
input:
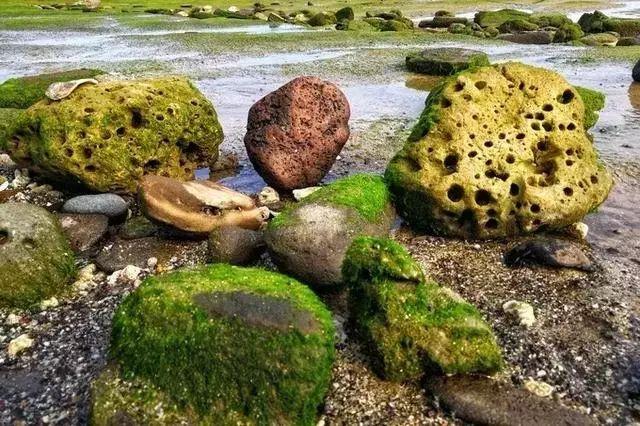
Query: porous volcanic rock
[{"x": 295, "y": 133}]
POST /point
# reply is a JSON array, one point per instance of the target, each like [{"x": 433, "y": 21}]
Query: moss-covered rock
[
  {"x": 23, "y": 92},
  {"x": 515, "y": 25},
  {"x": 445, "y": 60},
  {"x": 217, "y": 345},
  {"x": 499, "y": 151},
  {"x": 9, "y": 119},
  {"x": 107, "y": 136},
  {"x": 346, "y": 13},
  {"x": 592, "y": 22},
  {"x": 567, "y": 32},
  {"x": 460, "y": 29},
  {"x": 555, "y": 20},
  {"x": 321, "y": 19},
  {"x": 389, "y": 25},
  {"x": 593, "y": 102},
  {"x": 598, "y": 22},
  {"x": 309, "y": 239},
  {"x": 36, "y": 261},
  {"x": 355, "y": 25},
  {"x": 411, "y": 325},
  {"x": 498, "y": 17},
  {"x": 600, "y": 39}
]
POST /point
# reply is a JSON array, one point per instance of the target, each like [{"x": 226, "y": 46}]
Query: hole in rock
[
  {"x": 535, "y": 208},
  {"x": 491, "y": 224},
  {"x": 488, "y": 144},
  {"x": 502, "y": 136},
  {"x": 535, "y": 126},
  {"x": 151, "y": 166},
  {"x": 520, "y": 136},
  {"x": 89, "y": 110},
  {"x": 90, "y": 168},
  {"x": 459, "y": 86},
  {"x": 547, "y": 126},
  {"x": 542, "y": 145},
  {"x": 160, "y": 117},
  {"x": 472, "y": 154},
  {"x": 68, "y": 152},
  {"x": 482, "y": 197},
  {"x": 451, "y": 162},
  {"x": 568, "y": 191},
  {"x": 120, "y": 131},
  {"x": 566, "y": 97},
  {"x": 510, "y": 159},
  {"x": 569, "y": 162},
  {"x": 136, "y": 119},
  {"x": 594, "y": 179},
  {"x": 571, "y": 126},
  {"x": 87, "y": 152},
  {"x": 455, "y": 193},
  {"x": 514, "y": 189},
  {"x": 445, "y": 103},
  {"x": 481, "y": 84},
  {"x": 547, "y": 107},
  {"x": 4, "y": 236},
  {"x": 539, "y": 116},
  {"x": 528, "y": 116},
  {"x": 105, "y": 134}
]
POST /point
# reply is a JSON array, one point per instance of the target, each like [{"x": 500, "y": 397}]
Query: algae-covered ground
[{"x": 236, "y": 62}]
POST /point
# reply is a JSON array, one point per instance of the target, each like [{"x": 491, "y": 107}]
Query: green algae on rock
[
  {"x": 107, "y": 136},
  {"x": 593, "y": 102},
  {"x": 445, "y": 60},
  {"x": 567, "y": 32},
  {"x": 25, "y": 91},
  {"x": 499, "y": 151},
  {"x": 9, "y": 118},
  {"x": 219, "y": 345},
  {"x": 498, "y": 17},
  {"x": 36, "y": 261},
  {"x": 411, "y": 325},
  {"x": 309, "y": 238}
]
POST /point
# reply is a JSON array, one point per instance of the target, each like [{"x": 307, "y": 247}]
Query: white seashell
[{"x": 61, "y": 90}]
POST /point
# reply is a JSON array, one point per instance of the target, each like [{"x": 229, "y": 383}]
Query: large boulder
[
  {"x": 217, "y": 345},
  {"x": 635, "y": 74},
  {"x": 445, "y": 60},
  {"x": 309, "y": 239},
  {"x": 295, "y": 133},
  {"x": 598, "y": 22},
  {"x": 499, "y": 151},
  {"x": 23, "y": 92},
  {"x": 600, "y": 39},
  {"x": 197, "y": 206},
  {"x": 36, "y": 261},
  {"x": 410, "y": 324},
  {"x": 108, "y": 135}
]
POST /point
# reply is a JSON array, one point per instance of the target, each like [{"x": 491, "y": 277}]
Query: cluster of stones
[
  {"x": 594, "y": 29},
  {"x": 499, "y": 151}
]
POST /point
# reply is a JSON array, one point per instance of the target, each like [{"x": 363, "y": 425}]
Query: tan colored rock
[{"x": 197, "y": 206}]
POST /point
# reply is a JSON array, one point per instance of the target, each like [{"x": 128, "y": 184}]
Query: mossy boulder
[
  {"x": 600, "y": 39},
  {"x": 106, "y": 136},
  {"x": 23, "y": 92},
  {"x": 445, "y": 60},
  {"x": 623, "y": 27},
  {"x": 498, "y": 17},
  {"x": 217, "y": 345},
  {"x": 36, "y": 262},
  {"x": 593, "y": 102},
  {"x": 410, "y": 324},
  {"x": 309, "y": 238},
  {"x": 516, "y": 25},
  {"x": 499, "y": 151},
  {"x": 346, "y": 13},
  {"x": 592, "y": 22},
  {"x": 9, "y": 118},
  {"x": 355, "y": 25},
  {"x": 390, "y": 25},
  {"x": 555, "y": 20},
  {"x": 567, "y": 32},
  {"x": 321, "y": 19}
]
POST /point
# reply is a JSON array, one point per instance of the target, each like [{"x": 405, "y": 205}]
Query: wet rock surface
[
  {"x": 549, "y": 252},
  {"x": 445, "y": 61},
  {"x": 235, "y": 245},
  {"x": 110, "y": 205},
  {"x": 84, "y": 231},
  {"x": 287, "y": 148}
]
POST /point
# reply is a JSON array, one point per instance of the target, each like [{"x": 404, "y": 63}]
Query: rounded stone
[
  {"x": 218, "y": 345},
  {"x": 235, "y": 245},
  {"x": 445, "y": 60},
  {"x": 106, "y": 136},
  {"x": 499, "y": 151},
  {"x": 636, "y": 72},
  {"x": 110, "y": 205},
  {"x": 295, "y": 133},
  {"x": 36, "y": 261}
]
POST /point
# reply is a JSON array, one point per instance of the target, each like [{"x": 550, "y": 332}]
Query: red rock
[{"x": 295, "y": 133}]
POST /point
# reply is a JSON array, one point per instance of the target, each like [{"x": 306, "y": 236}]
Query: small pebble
[
  {"x": 19, "y": 344},
  {"x": 521, "y": 310},
  {"x": 299, "y": 194}
]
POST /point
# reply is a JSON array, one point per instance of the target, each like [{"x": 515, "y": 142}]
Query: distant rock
[
  {"x": 445, "y": 60},
  {"x": 482, "y": 400},
  {"x": 636, "y": 72},
  {"x": 110, "y": 205},
  {"x": 528, "y": 37},
  {"x": 197, "y": 206},
  {"x": 548, "y": 252},
  {"x": 295, "y": 133}
]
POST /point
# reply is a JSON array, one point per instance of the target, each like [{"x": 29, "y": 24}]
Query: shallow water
[{"x": 234, "y": 81}]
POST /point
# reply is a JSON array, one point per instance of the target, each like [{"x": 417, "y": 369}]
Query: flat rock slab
[
  {"x": 549, "y": 252},
  {"x": 257, "y": 311},
  {"x": 138, "y": 252},
  {"x": 84, "y": 230},
  {"x": 481, "y": 400},
  {"x": 528, "y": 37},
  {"x": 445, "y": 60}
]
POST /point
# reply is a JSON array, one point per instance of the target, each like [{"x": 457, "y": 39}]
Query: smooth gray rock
[{"x": 110, "y": 205}]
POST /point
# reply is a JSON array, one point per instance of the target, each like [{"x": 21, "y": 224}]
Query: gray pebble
[{"x": 110, "y": 205}]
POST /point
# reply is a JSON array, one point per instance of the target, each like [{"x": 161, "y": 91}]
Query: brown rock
[
  {"x": 197, "y": 206},
  {"x": 481, "y": 400},
  {"x": 234, "y": 245},
  {"x": 84, "y": 230},
  {"x": 295, "y": 133}
]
